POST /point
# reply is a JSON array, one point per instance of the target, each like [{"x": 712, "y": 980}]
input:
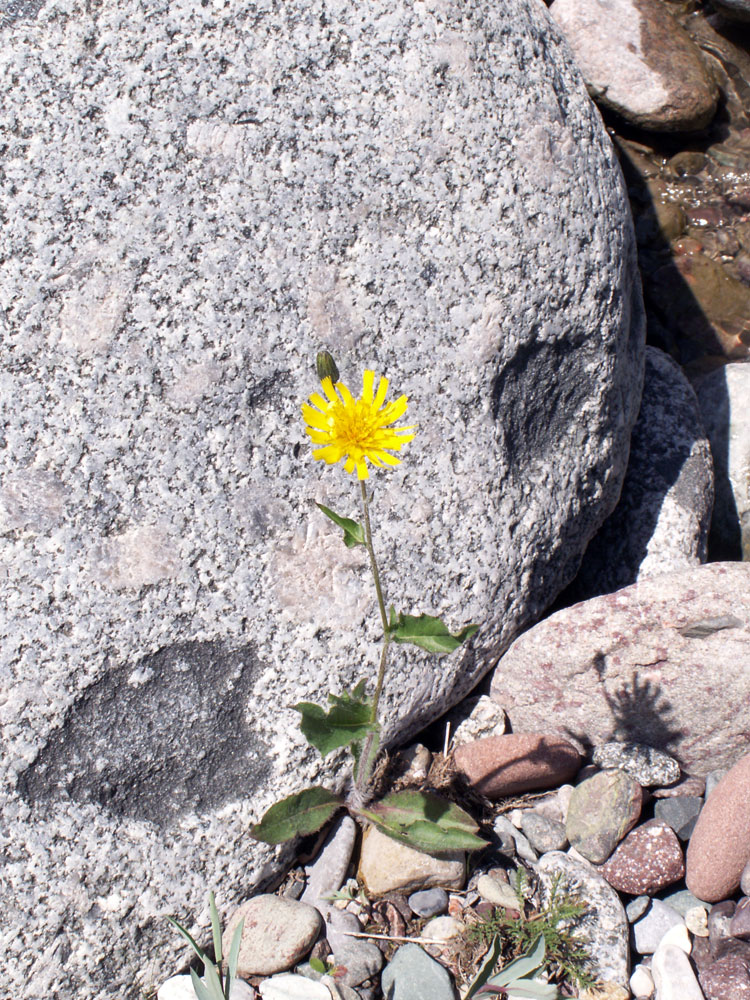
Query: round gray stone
[
  {"x": 643, "y": 763},
  {"x": 413, "y": 975},
  {"x": 429, "y": 902}
]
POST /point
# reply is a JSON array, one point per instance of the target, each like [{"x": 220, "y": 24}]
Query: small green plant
[
  {"x": 358, "y": 431},
  {"x": 565, "y": 958},
  {"x": 326, "y": 968},
  {"x": 516, "y": 979},
  {"x": 215, "y": 985}
]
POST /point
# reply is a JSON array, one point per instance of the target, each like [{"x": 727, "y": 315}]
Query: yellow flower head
[{"x": 356, "y": 429}]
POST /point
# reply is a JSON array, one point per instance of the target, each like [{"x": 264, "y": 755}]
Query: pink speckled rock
[
  {"x": 719, "y": 848},
  {"x": 662, "y": 662},
  {"x": 647, "y": 860},
  {"x": 518, "y": 762}
]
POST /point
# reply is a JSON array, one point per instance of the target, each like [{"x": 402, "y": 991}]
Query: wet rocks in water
[
  {"x": 719, "y": 847},
  {"x": 276, "y": 934},
  {"x": 603, "y": 929},
  {"x": 644, "y": 764},
  {"x": 661, "y": 521},
  {"x": 386, "y": 865},
  {"x": 639, "y": 62},
  {"x": 602, "y": 809},
  {"x": 413, "y": 975},
  {"x": 519, "y": 762},
  {"x": 723, "y": 398},
  {"x": 646, "y": 861},
  {"x": 641, "y": 665}
]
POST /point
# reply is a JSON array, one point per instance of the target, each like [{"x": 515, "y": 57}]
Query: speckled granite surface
[{"x": 194, "y": 199}]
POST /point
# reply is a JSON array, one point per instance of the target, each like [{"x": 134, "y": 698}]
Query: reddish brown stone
[
  {"x": 720, "y": 845},
  {"x": 726, "y": 979},
  {"x": 518, "y": 762},
  {"x": 647, "y": 860}
]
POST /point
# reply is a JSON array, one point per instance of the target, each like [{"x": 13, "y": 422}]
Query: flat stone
[
  {"x": 674, "y": 976},
  {"x": 442, "y": 928},
  {"x": 327, "y": 872},
  {"x": 689, "y": 787},
  {"x": 210, "y": 198},
  {"x": 277, "y": 933},
  {"x": 484, "y": 719},
  {"x": 719, "y": 848},
  {"x": 386, "y": 865},
  {"x": 646, "y": 861},
  {"x": 644, "y": 764},
  {"x": 642, "y": 983},
  {"x": 581, "y": 670},
  {"x": 696, "y": 921},
  {"x": 740, "y": 924},
  {"x": 727, "y": 978},
  {"x": 496, "y": 892},
  {"x": 722, "y": 397},
  {"x": 639, "y": 62},
  {"x": 603, "y": 929},
  {"x": 292, "y": 987},
  {"x": 181, "y": 988},
  {"x": 513, "y": 841},
  {"x": 681, "y": 901},
  {"x": 413, "y": 975},
  {"x": 637, "y": 907},
  {"x": 661, "y": 522},
  {"x": 602, "y": 809},
  {"x": 544, "y": 834},
  {"x": 429, "y": 902},
  {"x": 653, "y": 925},
  {"x": 680, "y": 813},
  {"x": 362, "y": 960},
  {"x": 507, "y": 765}
]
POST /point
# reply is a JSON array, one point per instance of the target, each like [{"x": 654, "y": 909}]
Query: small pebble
[
  {"x": 278, "y": 932},
  {"x": 644, "y": 764},
  {"x": 504, "y": 829},
  {"x": 385, "y": 865},
  {"x": 544, "y": 834},
  {"x": 413, "y": 975},
  {"x": 674, "y": 976},
  {"x": 682, "y": 900},
  {"x": 696, "y": 921},
  {"x": 291, "y": 987},
  {"x": 687, "y": 786},
  {"x": 679, "y": 937},
  {"x": 642, "y": 983},
  {"x": 647, "y": 860},
  {"x": 328, "y": 871},
  {"x": 429, "y": 902},
  {"x": 417, "y": 759},
  {"x": 603, "y": 808},
  {"x": 651, "y": 928},
  {"x": 728, "y": 978},
  {"x": 497, "y": 893},
  {"x": 181, "y": 988},
  {"x": 442, "y": 928},
  {"x": 739, "y": 925},
  {"x": 720, "y": 922},
  {"x": 637, "y": 907},
  {"x": 681, "y": 813},
  {"x": 516, "y": 763}
]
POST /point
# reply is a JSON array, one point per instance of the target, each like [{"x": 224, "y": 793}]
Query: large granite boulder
[
  {"x": 194, "y": 201},
  {"x": 663, "y": 662}
]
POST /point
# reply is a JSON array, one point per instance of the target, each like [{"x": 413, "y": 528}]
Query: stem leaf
[
  {"x": 354, "y": 533},
  {"x": 428, "y": 632},
  {"x": 349, "y": 720},
  {"x": 301, "y": 813}
]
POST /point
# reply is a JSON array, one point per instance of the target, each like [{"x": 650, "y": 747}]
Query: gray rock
[
  {"x": 521, "y": 846},
  {"x": 327, "y": 872},
  {"x": 276, "y": 934},
  {"x": 681, "y": 813},
  {"x": 362, "y": 960},
  {"x": 661, "y": 523},
  {"x": 681, "y": 901},
  {"x": 602, "y": 809},
  {"x": 604, "y": 927},
  {"x": 674, "y": 976},
  {"x": 413, "y": 975},
  {"x": 637, "y": 907},
  {"x": 429, "y": 902},
  {"x": 740, "y": 923},
  {"x": 644, "y": 764},
  {"x": 722, "y": 397},
  {"x": 201, "y": 201},
  {"x": 544, "y": 834},
  {"x": 640, "y": 666},
  {"x": 639, "y": 62},
  {"x": 720, "y": 922},
  {"x": 653, "y": 925}
]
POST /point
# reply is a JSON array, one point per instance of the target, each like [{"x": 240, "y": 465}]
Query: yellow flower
[{"x": 356, "y": 429}]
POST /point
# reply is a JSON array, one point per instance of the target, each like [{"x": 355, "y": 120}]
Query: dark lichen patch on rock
[{"x": 158, "y": 739}]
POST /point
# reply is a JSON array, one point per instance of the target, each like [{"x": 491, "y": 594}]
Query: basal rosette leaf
[
  {"x": 428, "y": 632},
  {"x": 298, "y": 814},
  {"x": 425, "y": 822}
]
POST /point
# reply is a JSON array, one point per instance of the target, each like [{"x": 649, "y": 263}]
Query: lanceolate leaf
[
  {"x": 428, "y": 632},
  {"x": 425, "y": 822},
  {"x": 487, "y": 967},
  {"x": 301, "y": 813},
  {"x": 348, "y": 720},
  {"x": 524, "y": 965},
  {"x": 354, "y": 533}
]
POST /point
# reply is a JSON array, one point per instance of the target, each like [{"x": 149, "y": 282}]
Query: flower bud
[{"x": 326, "y": 367}]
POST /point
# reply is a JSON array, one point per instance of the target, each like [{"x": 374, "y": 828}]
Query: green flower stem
[{"x": 364, "y": 775}]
